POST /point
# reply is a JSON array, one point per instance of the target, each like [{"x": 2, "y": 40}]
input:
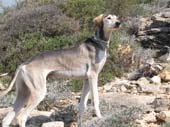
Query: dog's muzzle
[{"x": 117, "y": 24}]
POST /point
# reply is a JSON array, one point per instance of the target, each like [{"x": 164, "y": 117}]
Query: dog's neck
[{"x": 102, "y": 34}]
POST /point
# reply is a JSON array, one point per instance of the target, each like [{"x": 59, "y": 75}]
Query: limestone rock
[
  {"x": 146, "y": 87},
  {"x": 156, "y": 79},
  {"x": 164, "y": 115},
  {"x": 73, "y": 124},
  {"x": 53, "y": 124},
  {"x": 160, "y": 104},
  {"x": 150, "y": 117},
  {"x": 123, "y": 88},
  {"x": 140, "y": 123},
  {"x": 165, "y": 75},
  {"x": 107, "y": 87},
  {"x": 156, "y": 27}
]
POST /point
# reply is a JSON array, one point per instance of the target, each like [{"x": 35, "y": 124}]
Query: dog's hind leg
[
  {"x": 83, "y": 99},
  {"x": 36, "y": 96},
  {"x": 21, "y": 99},
  {"x": 93, "y": 82}
]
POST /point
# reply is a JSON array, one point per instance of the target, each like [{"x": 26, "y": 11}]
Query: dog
[{"x": 84, "y": 61}]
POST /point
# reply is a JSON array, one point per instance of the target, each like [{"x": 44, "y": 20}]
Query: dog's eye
[{"x": 108, "y": 18}]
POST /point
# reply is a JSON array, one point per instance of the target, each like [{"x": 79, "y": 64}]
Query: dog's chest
[
  {"x": 100, "y": 59},
  {"x": 100, "y": 55}
]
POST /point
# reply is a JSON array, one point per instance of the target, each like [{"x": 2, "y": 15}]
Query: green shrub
[
  {"x": 32, "y": 44},
  {"x": 16, "y": 25},
  {"x": 84, "y": 10},
  {"x": 167, "y": 124},
  {"x": 76, "y": 85},
  {"x": 126, "y": 118},
  {"x": 121, "y": 8},
  {"x": 5, "y": 80}
]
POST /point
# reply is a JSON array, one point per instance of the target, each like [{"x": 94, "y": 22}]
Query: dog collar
[{"x": 101, "y": 44}]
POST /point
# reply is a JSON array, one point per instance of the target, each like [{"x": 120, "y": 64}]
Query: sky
[{"x": 7, "y": 3}]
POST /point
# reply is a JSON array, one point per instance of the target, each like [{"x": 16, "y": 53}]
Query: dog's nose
[{"x": 117, "y": 24}]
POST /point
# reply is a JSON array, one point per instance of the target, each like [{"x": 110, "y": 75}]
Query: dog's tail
[{"x": 3, "y": 93}]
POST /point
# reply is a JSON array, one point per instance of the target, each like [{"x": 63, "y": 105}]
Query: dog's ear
[{"x": 98, "y": 20}]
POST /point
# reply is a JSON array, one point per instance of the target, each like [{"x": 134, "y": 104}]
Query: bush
[
  {"x": 32, "y": 44},
  {"x": 23, "y": 30},
  {"x": 126, "y": 118},
  {"x": 76, "y": 85},
  {"x": 167, "y": 124},
  {"x": 84, "y": 10}
]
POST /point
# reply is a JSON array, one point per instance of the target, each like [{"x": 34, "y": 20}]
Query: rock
[
  {"x": 165, "y": 58},
  {"x": 41, "y": 113},
  {"x": 2, "y": 87},
  {"x": 146, "y": 87},
  {"x": 167, "y": 90},
  {"x": 147, "y": 70},
  {"x": 164, "y": 115},
  {"x": 156, "y": 79},
  {"x": 149, "y": 118},
  {"x": 123, "y": 88},
  {"x": 153, "y": 32},
  {"x": 163, "y": 54},
  {"x": 4, "y": 111},
  {"x": 38, "y": 117},
  {"x": 67, "y": 115},
  {"x": 73, "y": 124},
  {"x": 114, "y": 89},
  {"x": 166, "y": 15},
  {"x": 134, "y": 90},
  {"x": 165, "y": 75},
  {"x": 53, "y": 124},
  {"x": 153, "y": 125},
  {"x": 160, "y": 104},
  {"x": 30, "y": 125},
  {"x": 128, "y": 84},
  {"x": 4, "y": 74},
  {"x": 108, "y": 86},
  {"x": 140, "y": 123}
]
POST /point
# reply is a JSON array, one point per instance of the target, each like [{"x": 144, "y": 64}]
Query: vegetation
[
  {"x": 36, "y": 26},
  {"x": 167, "y": 124},
  {"x": 126, "y": 118}
]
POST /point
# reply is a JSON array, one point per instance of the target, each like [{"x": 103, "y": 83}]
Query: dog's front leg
[
  {"x": 83, "y": 100},
  {"x": 93, "y": 82}
]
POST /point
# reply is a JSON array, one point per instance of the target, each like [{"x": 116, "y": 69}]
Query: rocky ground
[{"x": 125, "y": 102}]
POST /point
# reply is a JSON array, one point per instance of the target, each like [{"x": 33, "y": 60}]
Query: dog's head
[{"x": 108, "y": 22}]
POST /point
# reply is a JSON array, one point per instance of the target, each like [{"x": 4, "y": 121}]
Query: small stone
[
  {"x": 108, "y": 87},
  {"x": 164, "y": 115},
  {"x": 114, "y": 89},
  {"x": 146, "y": 87},
  {"x": 123, "y": 88},
  {"x": 151, "y": 117},
  {"x": 73, "y": 124},
  {"x": 134, "y": 90},
  {"x": 53, "y": 124},
  {"x": 156, "y": 79},
  {"x": 140, "y": 123},
  {"x": 160, "y": 104},
  {"x": 153, "y": 125},
  {"x": 165, "y": 75},
  {"x": 167, "y": 90},
  {"x": 2, "y": 87}
]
